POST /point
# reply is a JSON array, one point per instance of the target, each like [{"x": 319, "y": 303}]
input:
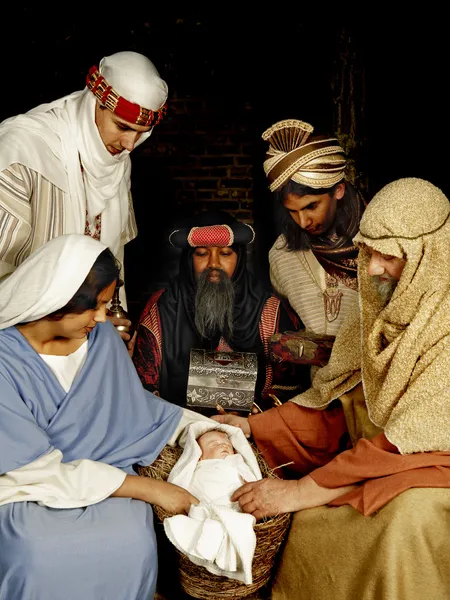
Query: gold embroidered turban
[{"x": 292, "y": 154}]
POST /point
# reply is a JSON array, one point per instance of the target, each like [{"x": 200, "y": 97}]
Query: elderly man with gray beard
[
  {"x": 366, "y": 450},
  {"x": 214, "y": 303}
]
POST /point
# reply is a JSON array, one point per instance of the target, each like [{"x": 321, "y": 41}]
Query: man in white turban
[{"x": 65, "y": 166}]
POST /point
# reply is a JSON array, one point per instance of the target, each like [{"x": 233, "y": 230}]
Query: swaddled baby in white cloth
[
  {"x": 216, "y": 461},
  {"x": 220, "y": 471}
]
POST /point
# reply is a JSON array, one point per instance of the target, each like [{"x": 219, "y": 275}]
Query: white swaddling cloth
[{"x": 215, "y": 534}]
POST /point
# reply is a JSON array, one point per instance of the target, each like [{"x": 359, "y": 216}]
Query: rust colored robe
[{"x": 318, "y": 443}]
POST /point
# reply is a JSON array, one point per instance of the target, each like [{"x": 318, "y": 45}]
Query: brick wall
[{"x": 208, "y": 154}]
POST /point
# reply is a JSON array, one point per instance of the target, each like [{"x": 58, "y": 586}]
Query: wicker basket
[{"x": 270, "y": 533}]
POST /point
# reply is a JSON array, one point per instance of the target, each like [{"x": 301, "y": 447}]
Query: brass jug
[{"x": 116, "y": 309}]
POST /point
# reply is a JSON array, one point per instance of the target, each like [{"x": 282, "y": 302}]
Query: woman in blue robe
[{"x": 75, "y": 520}]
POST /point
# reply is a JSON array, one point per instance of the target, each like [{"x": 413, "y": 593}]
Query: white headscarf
[
  {"x": 53, "y": 138},
  {"x": 47, "y": 279}
]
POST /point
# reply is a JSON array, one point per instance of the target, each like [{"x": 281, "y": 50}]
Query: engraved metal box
[{"x": 225, "y": 378}]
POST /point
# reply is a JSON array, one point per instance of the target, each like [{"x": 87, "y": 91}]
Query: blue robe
[{"x": 106, "y": 551}]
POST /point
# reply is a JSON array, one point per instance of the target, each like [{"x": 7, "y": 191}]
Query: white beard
[{"x": 385, "y": 288}]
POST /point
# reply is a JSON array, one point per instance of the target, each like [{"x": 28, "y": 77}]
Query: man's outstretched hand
[
  {"x": 232, "y": 419},
  {"x": 268, "y": 497}
]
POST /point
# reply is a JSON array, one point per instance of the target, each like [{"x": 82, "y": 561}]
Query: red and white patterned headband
[
  {"x": 213, "y": 235},
  {"x": 123, "y": 108}
]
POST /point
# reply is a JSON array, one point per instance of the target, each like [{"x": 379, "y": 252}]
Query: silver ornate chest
[{"x": 225, "y": 378}]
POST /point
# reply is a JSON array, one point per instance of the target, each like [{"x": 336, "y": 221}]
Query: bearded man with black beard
[
  {"x": 214, "y": 303},
  {"x": 214, "y": 300}
]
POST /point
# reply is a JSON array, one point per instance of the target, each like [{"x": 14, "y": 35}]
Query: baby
[
  {"x": 215, "y": 444},
  {"x": 215, "y": 534},
  {"x": 220, "y": 471}
]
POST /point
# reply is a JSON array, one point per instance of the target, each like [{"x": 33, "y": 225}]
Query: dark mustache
[{"x": 210, "y": 270}]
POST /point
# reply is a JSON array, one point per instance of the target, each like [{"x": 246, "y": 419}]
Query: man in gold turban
[
  {"x": 313, "y": 262},
  {"x": 372, "y": 435}
]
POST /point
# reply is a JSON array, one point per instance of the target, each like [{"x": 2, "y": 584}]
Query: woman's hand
[
  {"x": 229, "y": 419},
  {"x": 172, "y": 498},
  {"x": 268, "y": 497}
]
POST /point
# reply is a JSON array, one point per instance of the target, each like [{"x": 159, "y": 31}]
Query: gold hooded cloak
[{"x": 399, "y": 350}]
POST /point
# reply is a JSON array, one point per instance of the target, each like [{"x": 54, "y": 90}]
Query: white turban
[{"x": 135, "y": 78}]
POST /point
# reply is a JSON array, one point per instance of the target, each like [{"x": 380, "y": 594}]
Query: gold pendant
[{"x": 332, "y": 304}]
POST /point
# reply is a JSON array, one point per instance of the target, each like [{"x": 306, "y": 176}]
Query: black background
[{"x": 279, "y": 64}]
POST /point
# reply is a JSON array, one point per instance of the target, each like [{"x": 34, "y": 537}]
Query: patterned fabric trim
[
  {"x": 129, "y": 111},
  {"x": 222, "y": 346},
  {"x": 95, "y": 230},
  {"x": 211, "y": 235},
  {"x": 267, "y": 327},
  {"x": 152, "y": 322}
]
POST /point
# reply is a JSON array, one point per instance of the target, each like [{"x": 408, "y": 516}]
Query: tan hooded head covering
[
  {"x": 401, "y": 349},
  {"x": 315, "y": 162}
]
